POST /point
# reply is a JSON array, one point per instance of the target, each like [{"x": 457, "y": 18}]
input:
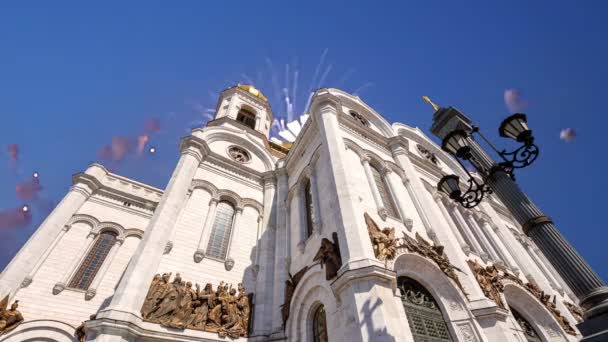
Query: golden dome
[{"x": 253, "y": 91}]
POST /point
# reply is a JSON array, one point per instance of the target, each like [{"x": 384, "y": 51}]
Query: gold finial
[{"x": 427, "y": 100}]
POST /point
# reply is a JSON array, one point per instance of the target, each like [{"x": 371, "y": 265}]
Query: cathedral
[{"x": 338, "y": 235}]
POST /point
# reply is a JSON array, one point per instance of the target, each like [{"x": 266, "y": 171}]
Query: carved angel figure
[
  {"x": 384, "y": 242},
  {"x": 329, "y": 255},
  {"x": 9, "y": 318}
]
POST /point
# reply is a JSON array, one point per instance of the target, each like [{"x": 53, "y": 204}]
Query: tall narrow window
[
  {"x": 92, "y": 262},
  {"x": 222, "y": 227},
  {"x": 423, "y": 313},
  {"x": 309, "y": 208},
  {"x": 319, "y": 325},
  {"x": 385, "y": 195},
  {"x": 246, "y": 117}
]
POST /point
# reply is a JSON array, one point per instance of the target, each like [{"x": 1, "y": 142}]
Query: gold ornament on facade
[
  {"x": 384, "y": 242},
  {"x": 9, "y": 318},
  {"x": 329, "y": 256},
  {"x": 433, "y": 252},
  {"x": 575, "y": 310},
  {"x": 176, "y": 304},
  {"x": 433, "y": 104},
  {"x": 489, "y": 279}
]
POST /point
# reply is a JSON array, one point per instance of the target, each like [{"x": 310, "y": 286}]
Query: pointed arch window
[
  {"x": 91, "y": 264},
  {"x": 526, "y": 327},
  {"x": 423, "y": 314},
  {"x": 319, "y": 325},
  {"x": 246, "y": 117},
  {"x": 385, "y": 195},
  {"x": 222, "y": 228},
  {"x": 309, "y": 208}
]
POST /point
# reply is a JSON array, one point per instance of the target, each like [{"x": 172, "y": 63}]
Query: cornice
[
  {"x": 365, "y": 133},
  {"x": 198, "y": 144}
]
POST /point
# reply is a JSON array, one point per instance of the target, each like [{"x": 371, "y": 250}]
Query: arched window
[
  {"x": 319, "y": 325},
  {"x": 85, "y": 274},
  {"x": 526, "y": 327},
  {"x": 222, "y": 227},
  {"x": 385, "y": 196},
  {"x": 423, "y": 313},
  {"x": 309, "y": 208},
  {"x": 246, "y": 117}
]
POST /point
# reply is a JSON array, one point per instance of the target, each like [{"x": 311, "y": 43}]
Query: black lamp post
[{"x": 457, "y": 134}]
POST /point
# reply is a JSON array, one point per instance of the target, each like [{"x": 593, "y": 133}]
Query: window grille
[
  {"x": 319, "y": 325},
  {"x": 526, "y": 327},
  {"x": 220, "y": 234},
  {"x": 247, "y": 118},
  {"x": 92, "y": 263}
]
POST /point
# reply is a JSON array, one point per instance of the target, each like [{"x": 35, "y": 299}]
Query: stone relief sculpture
[
  {"x": 544, "y": 298},
  {"x": 575, "y": 310},
  {"x": 9, "y": 318},
  {"x": 435, "y": 253},
  {"x": 80, "y": 332},
  {"x": 178, "y": 305},
  {"x": 489, "y": 280},
  {"x": 384, "y": 242},
  {"x": 329, "y": 256},
  {"x": 290, "y": 288}
]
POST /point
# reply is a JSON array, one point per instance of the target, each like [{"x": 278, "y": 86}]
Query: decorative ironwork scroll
[
  {"x": 329, "y": 256},
  {"x": 176, "y": 304},
  {"x": 9, "y": 318},
  {"x": 384, "y": 242}
]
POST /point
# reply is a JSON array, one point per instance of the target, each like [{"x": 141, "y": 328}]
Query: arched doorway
[
  {"x": 423, "y": 314},
  {"x": 529, "y": 332}
]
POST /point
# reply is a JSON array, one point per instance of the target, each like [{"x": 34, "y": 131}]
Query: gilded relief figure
[
  {"x": 489, "y": 281},
  {"x": 9, "y": 318},
  {"x": 179, "y": 305},
  {"x": 575, "y": 310},
  {"x": 384, "y": 242}
]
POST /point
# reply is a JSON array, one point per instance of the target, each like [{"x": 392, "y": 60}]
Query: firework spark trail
[
  {"x": 345, "y": 77},
  {"x": 247, "y": 79},
  {"x": 317, "y": 69},
  {"x": 308, "y": 102},
  {"x": 29, "y": 190},
  {"x": 295, "y": 88},
  {"x": 275, "y": 81},
  {"x": 13, "y": 152},
  {"x": 514, "y": 100},
  {"x": 324, "y": 76},
  {"x": 358, "y": 90}
]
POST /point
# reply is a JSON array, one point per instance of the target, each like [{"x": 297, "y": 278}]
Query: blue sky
[{"x": 74, "y": 75}]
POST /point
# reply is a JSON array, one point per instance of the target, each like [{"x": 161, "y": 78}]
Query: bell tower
[{"x": 246, "y": 105}]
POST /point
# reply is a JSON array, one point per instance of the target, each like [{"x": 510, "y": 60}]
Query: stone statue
[
  {"x": 384, "y": 242},
  {"x": 179, "y": 305},
  {"x": 329, "y": 255},
  {"x": 290, "y": 288},
  {"x": 9, "y": 318}
]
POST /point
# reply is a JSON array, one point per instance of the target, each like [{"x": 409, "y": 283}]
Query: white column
[
  {"x": 30, "y": 254},
  {"x": 75, "y": 263},
  {"x": 466, "y": 230},
  {"x": 437, "y": 221},
  {"x": 229, "y": 263},
  {"x": 200, "y": 251},
  {"x": 281, "y": 254},
  {"x": 495, "y": 235},
  {"x": 483, "y": 238},
  {"x": 30, "y": 277},
  {"x": 129, "y": 297},
  {"x": 393, "y": 186},
  {"x": 264, "y": 285},
  {"x": 552, "y": 281},
  {"x": 463, "y": 244},
  {"x": 92, "y": 290},
  {"x": 374, "y": 188}
]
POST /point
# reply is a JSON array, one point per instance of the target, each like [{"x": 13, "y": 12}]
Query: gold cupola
[{"x": 253, "y": 91}]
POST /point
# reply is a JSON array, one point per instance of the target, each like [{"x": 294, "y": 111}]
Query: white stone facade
[{"x": 169, "y": 230}]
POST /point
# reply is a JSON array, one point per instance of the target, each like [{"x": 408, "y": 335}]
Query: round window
[{"x": 239, "y": 154}]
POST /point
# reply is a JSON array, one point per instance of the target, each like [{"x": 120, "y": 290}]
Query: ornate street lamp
[{"x": 514, "y": 127}]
